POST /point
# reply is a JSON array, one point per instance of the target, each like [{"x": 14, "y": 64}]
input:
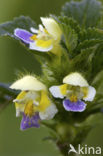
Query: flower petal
[
  {"x": 19, "y": 109},
  {"x": 91, "y": 94},
  {"x": 33, "y": 30},
  {"x": 52, "y": 27},
  {"x": 41, "y": 45},
  {"x": 75, "y": 79},
  {"x": 49, "y": 113},
  {"x": 44, "y": 102},
  {"x": 41, "y": 28},
  {"x": 19, "y": 103},
  {"x": 23, "y": 35},
  {"x": 28, "y": 122},
  {"x": 56, "y": 92},
  {"x": 78, "y": 106},
  {"x": 28, "y": 83}
]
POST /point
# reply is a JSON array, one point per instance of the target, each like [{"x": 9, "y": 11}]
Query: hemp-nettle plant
[{"x": 69, "y": 91}]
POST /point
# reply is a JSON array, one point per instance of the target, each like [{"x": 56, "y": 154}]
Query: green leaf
[
  {"x": 86, "y": 126},
  {"x": 6, "y": 95},
  {"x": 86, "y": 12},
  {"x": 93, "y": 120},
  {"x": 4, "y": 88},
  {"x": 7, "y": 29},
  {"x": 69, "y": 37},
  {"x": 87, "y": 44},
  {"x": 98, "y": 82},
  {"x": 91, "y": 34},
  {"x": 97, "y": 63},
  {"x": 69, "y": 21},
  {"x": 89, "y": 38},
  {"x": 69, "y": 28}
]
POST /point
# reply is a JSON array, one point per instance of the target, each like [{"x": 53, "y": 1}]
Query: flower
[
  {"x": 45, "y": 39},
  {"x": 75, "y": 90},
  {"x": 33, "y": 102}
]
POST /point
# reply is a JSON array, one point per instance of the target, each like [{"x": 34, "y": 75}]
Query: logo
[{"x": 85, "y": 150}]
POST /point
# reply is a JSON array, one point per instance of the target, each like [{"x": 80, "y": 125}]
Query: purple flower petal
[
  {"x": 78, "y": 106},
  {"x": 23, "y": 35},
  {"x": 28, "y": 122}
]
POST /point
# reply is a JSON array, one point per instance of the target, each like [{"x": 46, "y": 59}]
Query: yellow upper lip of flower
[
  {"x": 28, "y": 82},
  {"x": 75, "y": 79},
  {"x": 76, "y": 85}
]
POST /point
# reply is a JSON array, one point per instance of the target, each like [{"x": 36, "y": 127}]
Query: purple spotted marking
[
  {"x": 29, "y": 122},
  {"x": 78, "y": 106}
]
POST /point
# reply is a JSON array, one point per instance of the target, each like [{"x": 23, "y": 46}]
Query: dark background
[{"x": 14, "y": 58}]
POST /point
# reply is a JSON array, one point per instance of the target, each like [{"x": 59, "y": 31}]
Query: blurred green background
[{"x": 13, "y": 57}]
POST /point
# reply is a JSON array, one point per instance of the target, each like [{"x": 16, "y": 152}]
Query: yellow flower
[
  {"x": 74, "y": 90},
  {"x": 44, "y": 39},
  {"x": 33, "y": 99}
]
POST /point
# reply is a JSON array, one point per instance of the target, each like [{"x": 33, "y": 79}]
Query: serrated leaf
[
  {"x": 70, "y": 37},
  {"x": 91, "y": 34},
  {"x": 89, "y": 37},
  {"x": 69, "y": 21},
  {"x": 7, "y": 29},
  {"x": 88, "y": 43},
  {"x": 69, "y": 28},
  {"x": 86, "y": 12}
]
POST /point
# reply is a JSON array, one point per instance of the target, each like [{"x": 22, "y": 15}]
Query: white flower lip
[
  {"x": 75, "y": 79},
  {"x": 33, "y": 46},
  {"x": 91, "y": 94},
  {"x": 55, "y": 91},
  {"x": 49, "y": 113},
  {"x": 28, "y": 83},
  {"x": 33, "y": 30}
]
